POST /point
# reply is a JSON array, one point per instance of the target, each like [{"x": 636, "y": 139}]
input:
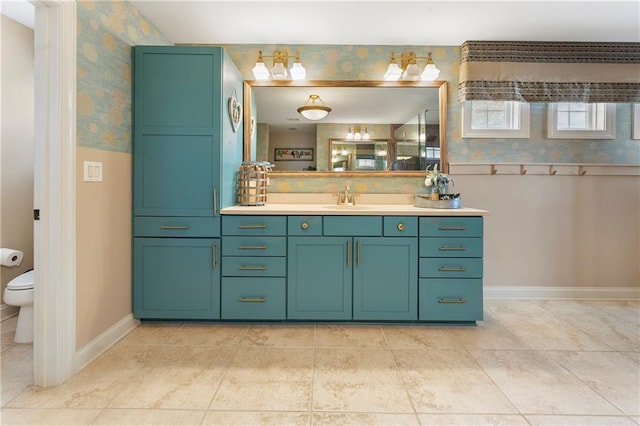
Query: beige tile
[
  {"x": 536, "y": 384},
  {"x": 472, "y": 419},
  {"x": 551, "y": 420},
  {"x": 184, "y": 377},
  {"x": 17, "y": 372},
  {"x": 301, "y": 336},
  {"x": 246, "y": 418},
  {"x": 48, "y": 416},
  {"x": 152, "y": 334},
  {"x": 414, "y": 337},
  {"x": 358, "y": 380},
  {"x": 93, "y": 387},
  {"x": 628, "y": 310},
  {"x": 633, "y": 355},
  {"x": 349, "y": 336},
  {"x": 264, "y": 378},
  {"x": 8, "y": 332},
  {"x": 635, "y": 419},
  {"x": 210, "y": 335},
  {"x": 139, "y": 417},
  {"x": 489, "y": 334},
  {"x": 360, "y": 419},
  {"x": 610, "y": 374},
  {"x": 449, "y": 381}
]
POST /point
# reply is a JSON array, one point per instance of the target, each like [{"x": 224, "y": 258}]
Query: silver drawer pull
[
  {"x": 174, "y": 227},
  {"x": 253, "y": 268},
  {"x": 252, "y": 247},
  {"x": 446, "y": 248},
  {"x": 252, "y": 299},
  {"x": 252, "y": 227},
  {"x": 452, "y": 300},
  {"x": 452, "y": 228},
  {"x": 455, "y": 269}
]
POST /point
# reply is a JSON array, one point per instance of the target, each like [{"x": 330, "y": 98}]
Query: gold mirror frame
[{"x": 442, "y": 116}]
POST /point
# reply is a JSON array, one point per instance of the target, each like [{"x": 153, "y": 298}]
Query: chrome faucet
[{"x": 346, "y": 198}]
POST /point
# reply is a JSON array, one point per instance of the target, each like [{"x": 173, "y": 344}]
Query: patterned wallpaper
[{"x": 106, "y": 32}]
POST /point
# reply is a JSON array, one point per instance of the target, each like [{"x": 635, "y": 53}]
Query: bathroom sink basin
[{"x": 347, "y": 207}]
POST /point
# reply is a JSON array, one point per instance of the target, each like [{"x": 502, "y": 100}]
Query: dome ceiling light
[{"x": 313, "y": 111}]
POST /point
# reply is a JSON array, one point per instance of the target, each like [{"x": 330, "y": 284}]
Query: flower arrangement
[{"x": 436, "y": 180}]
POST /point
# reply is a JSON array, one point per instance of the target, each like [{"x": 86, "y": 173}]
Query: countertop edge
[{"x": 359, "y": 210}]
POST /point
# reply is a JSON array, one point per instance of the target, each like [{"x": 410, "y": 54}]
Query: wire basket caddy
[{"x": 252, "y": 183}]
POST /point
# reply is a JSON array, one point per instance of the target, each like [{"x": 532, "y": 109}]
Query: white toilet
[{"x": 19, "y": 292}]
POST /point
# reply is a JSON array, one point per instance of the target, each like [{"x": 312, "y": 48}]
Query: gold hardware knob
[
  {"x": 304, "y": 225},
  {"x": 401, "y": 227}
]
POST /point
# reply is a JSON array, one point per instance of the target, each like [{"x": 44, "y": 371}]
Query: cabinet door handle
[
  {"x": 252, "y": 268},
  {"x": 214, "y": 255},
  {"x": 452, "y": 228},
  {"x": 174, "y": 227},
  {"x": 401, "y": 227},
  {"x": 252, "y": 226},
  {"x": 215, "y": 202},
  {"x": 453, "y": 248},
  {"x": 358, "y": 254},
  {"x": 348, "y": 252},
  {"x": 252, "y": 247},
  {"x": 452, "y": 300},
  {"x": 252, "y": 299},
  {"x": 454, "y": 269}
]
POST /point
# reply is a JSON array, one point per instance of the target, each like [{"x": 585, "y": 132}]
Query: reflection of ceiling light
[
  {"x": 358, "y": 133},
  {"x": 279, "y": 69},
  {"x": 409, "y": 70},
  {"x": 382, "y": 153},
  {"x": 313, "y": 111}
]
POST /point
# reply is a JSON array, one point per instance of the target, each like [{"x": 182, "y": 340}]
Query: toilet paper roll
[{"x": 10, "y": 257}]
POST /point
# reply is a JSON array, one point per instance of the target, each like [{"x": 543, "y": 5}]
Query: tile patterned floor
[{"x": 528, "y": 363}]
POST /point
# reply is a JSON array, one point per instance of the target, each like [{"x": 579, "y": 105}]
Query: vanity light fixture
[
  {"x": 358, "y": 133},
  {"x": 313, "y": 111},
  {"x": 279, "y": 69},
  {"x": 408, "y": 69}
]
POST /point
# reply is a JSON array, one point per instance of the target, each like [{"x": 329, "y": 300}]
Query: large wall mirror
[{"x": 374, "y": 127}]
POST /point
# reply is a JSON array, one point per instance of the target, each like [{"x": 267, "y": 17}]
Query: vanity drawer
[
  {"x": 304, "y": 225},
  {"x": 254, "y": 225},
  {"x": 400, "y": 226},
  {"x": 254, "y": 246},
  {"x": 451, "y": 226},
  {"x": 353, "y": 226},
  {"x": 159, "y": 226},
  {"x": 254, "y": 266},
  {"x": 450, "y": 300},
  {"x": 450, "y": 267},
  {"x": 450, "y": 247},
  {"x": 253, "y": 298}
]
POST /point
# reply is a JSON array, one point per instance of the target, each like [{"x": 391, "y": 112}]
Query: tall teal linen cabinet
[{"x": 186, "y": 151}]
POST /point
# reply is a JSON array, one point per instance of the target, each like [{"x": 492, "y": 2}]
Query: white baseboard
[
  {"x": 8, "y": 311},
  {"x": 97, "y": 346},
  {"x": 592, "y": 293}
]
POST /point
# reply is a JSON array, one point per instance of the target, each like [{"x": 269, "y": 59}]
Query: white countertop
[{"x": 357, "y": 210}]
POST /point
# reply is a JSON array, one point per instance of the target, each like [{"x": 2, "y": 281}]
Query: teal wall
[{"x": 106, "y": 32}]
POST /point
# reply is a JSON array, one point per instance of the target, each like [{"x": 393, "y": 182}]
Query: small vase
[{"x": 435, "y": 196}]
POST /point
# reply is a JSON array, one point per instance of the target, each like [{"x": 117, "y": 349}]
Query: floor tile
[
  {"x": 472, "y": 419},
  {"x": 358, "y": 380},
  {"x": 264, "y": 378},
  {"x": 635, "y": 419},
  {"x": 449, "y": 381},
  {"x": 360, "y": 419},
  {"x": 152, "y": 334},
  {"x": 178, "y": 377},
  {"x": 247, "y": 418},
  {"x": 48, "y": 416},
  {"x": 209, "y": 335},
  {"x": 611, "y": 375},
  {"x": 349, "y": 336},
  {"x": 488, "y": 334},
  {"x": 579, "y": 420},
  {"x": 401, "y": 337},
  {"x": 280, "y": 335},
  {"x": 140, "y": 417},
  {"x": 536, "y": 384},
  {"x": 17, "y": 371},
  {"x": 633, "y": 355},
  {"x": 8, "y": 332}
]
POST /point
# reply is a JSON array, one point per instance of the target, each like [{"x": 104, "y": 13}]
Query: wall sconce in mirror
[
  {"x": 358, "y": 133},
  {"x": 313, "y": 111},
  {"x": 279, "y": 70},
  {"x": 408, "y": 69}
]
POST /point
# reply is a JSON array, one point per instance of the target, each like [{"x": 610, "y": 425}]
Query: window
[
  {"x": 569, "y": 120},
  {"x": 495, "y": 119}
]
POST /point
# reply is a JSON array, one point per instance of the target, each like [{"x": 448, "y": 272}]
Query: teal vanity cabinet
[
  {"x": 450, "y": 286},
  {"x": 254, "y": 252},
  {"x": 186, "y": 152}
]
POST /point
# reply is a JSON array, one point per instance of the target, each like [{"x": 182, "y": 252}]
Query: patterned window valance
[{"x": 549, "y": 71}]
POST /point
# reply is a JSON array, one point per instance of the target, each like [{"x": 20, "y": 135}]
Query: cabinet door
[
  {"x": 176, "y": 278},
  {"x": 319, "y": 278},
  {"x": 176, "y": 146},
  {"x": 385, "y": 278}
]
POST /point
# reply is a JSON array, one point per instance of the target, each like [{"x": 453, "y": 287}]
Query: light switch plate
[{"x": 93, "y": 171}]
